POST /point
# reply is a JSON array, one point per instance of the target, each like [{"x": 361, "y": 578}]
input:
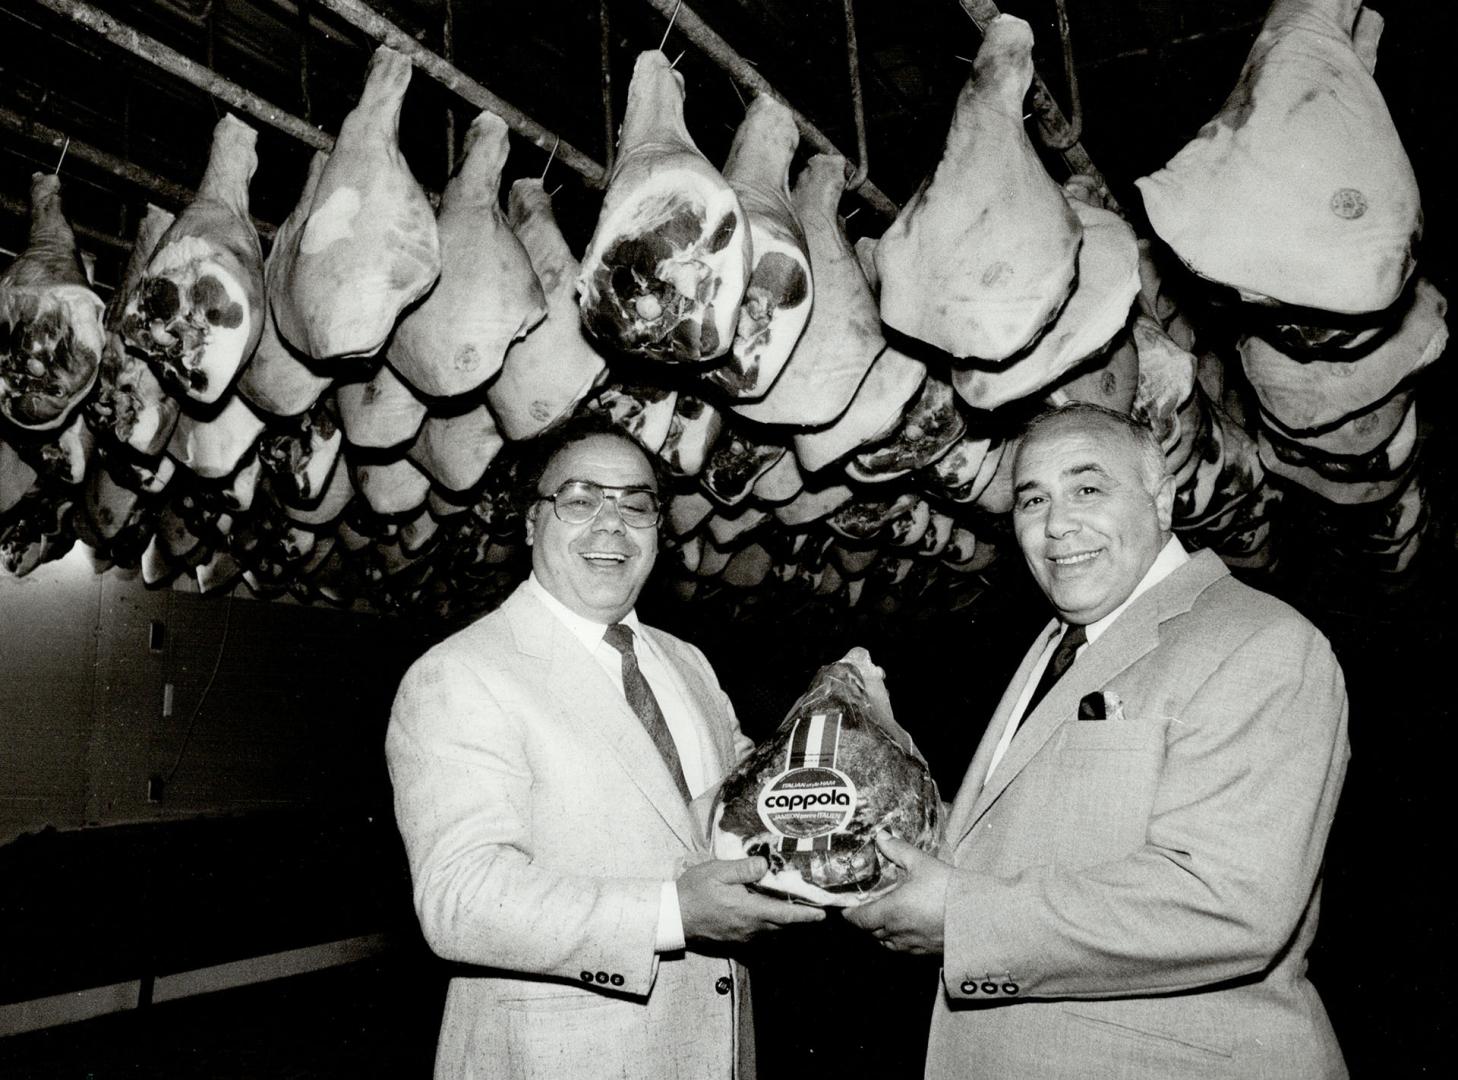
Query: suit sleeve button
[
  {"x": 1009, "y": 988},
  {"x": 723, "y": 984},
  {"x": 602, "y": 977},
  {"x": 587, "y": 976},
  {"x": 616, "y": 980},
  {"x": 989, "y": 987},
  {"x": 969, "y": 987}
]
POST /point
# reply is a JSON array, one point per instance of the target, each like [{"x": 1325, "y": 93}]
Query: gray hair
[{"x": 1152, "y": 466}]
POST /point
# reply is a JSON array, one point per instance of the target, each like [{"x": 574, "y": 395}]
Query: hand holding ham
[
  {"x": 715, "y": 905},
  {"x": 911, "y": 917}
]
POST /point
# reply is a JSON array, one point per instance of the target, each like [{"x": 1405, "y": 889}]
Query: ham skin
[
  {"x": 198, "y": 312},
  {"x": 369, "y": 248},
  {"x": 777, "y": 301},
  {"x": 665, "y": 271},
  {"x": 549, "y": 372},
  {"x": 1299, "y": 191},
  {"x": 487, "y": 297},
  {"x": 51, "y": 335},
  {"x": 983, "y": 256}
]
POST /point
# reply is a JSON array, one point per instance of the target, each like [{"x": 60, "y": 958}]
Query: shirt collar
[
  {"x": 588, "y": 631},
  {"x": 1169, "y": 559}
]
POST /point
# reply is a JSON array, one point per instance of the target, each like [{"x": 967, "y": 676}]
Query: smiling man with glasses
[{"x": 552, "y": 766}]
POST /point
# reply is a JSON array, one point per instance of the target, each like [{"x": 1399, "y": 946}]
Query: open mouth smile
[{"x": 1063, "y": 561}]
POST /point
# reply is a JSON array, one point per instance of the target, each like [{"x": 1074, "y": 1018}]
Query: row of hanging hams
[
  {"x": 337, "y": 420},
  {"x": 1298, "y": 207}
]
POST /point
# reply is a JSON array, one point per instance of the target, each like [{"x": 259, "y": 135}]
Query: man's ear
[
  {"x": 531, "y": 524},
  {"x": 1164, "y": 503}
]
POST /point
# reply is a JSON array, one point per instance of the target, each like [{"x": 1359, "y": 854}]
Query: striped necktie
[{"x": 640, "y": 698}]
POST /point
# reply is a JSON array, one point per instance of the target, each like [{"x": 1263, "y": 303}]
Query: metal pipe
[
  {"x": 174, "y": 194},
  {"x": 1070, "y": 76},
  {"x": 853, "y": 60},
  {"x": 741, "y": 71},
  {"x": 1053, "y": 126},
  {"x": 375, "y": 26},
  {"x": 174, "y": 63},
  {"x": 609, "y": 130}
]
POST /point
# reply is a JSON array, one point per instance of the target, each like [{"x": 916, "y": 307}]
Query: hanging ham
[
  {"x": 778, "y": 299},
  {"x": 277, "y": 379},
  {"x": 1108, "y": 281},
  {"x": 487, "y": 296},
  {"x": 984, "y": 254},
  {"x": 198, "y": 312},
  {"x": 50, "y": 321},
  {"x": 551, "y": 370},
  {"x": 843, "y": 337},
  {"x": 1299, "y": 190},
  {"x": 874, "y": 412},
  {"x": 369, "y": 248},
  {"x": 131, "y": 403},
  {"x": 666, "y": 268}
]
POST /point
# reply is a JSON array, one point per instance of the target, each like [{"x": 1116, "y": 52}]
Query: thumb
[
  {"x": 742, "y": 871},
  {"x": 899, "y": 851}
]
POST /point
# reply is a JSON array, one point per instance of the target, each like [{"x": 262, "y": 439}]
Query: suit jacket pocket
[
  {"x": 1191, "y": 1037},
  {"x": 603, "y": 1038},
  {"x": 1126, "y": 733}
]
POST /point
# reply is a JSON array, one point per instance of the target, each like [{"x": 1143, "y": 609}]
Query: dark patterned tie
[
  {"x": 640, "y": 698},
  {"x": 1061, "y": 661}
]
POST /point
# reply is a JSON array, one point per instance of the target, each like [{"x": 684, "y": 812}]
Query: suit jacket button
[
  {"x": 602, "y": 976},
  {"x": 989, "y": 987},
  {"x": 616, "y": 980},
  {"x": 587, "y": 976},
  {"x": 723, "y": 984},
  {"x": 969, "y": 987},
  {"x": 1009, "y": 988}
]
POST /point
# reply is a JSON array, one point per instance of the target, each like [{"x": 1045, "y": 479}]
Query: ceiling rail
[
  {"x": 376, "y": 26},
  {"x": 742, "y": 71},
  {"x": 190, "y": 71},
  {"x": 164, "y": 190}
]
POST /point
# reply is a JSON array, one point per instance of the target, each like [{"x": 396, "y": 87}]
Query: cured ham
[
  {"x": 984, "y": 254},
  {"x": 50, "y": 321},
  {"x": 645, "y": 412},
  {"x": 930, "y": 426},
  {"x": 874, "y": 412},
  {"x": 381, "y": 411},
  {"x": 198, "y": 312},
  {"x": 692, "y": 432},
  {"x": 301, "y": 462},
  {"x": 1299, "y": 190},
  {"x": 213, "y": 447},
  {"x": 277, "y": 378},
  {"x": 665, "y": 271},
  {"x": 545, "y": 375},
  {"x": 487, "y": 296},
  {"x": 455, "y": 450},
  {"x": 369, "y": 247},
  {"x": 735, "y": 464},
  {"x": 131, "y": 403},
  {"x": 1308, "y": 395},
  {"x": 778, "y": 299},
  {"x": 1108, "y": 281},
  {"x": 843, "y": 337},
  {"x": 811, "y": 798}
]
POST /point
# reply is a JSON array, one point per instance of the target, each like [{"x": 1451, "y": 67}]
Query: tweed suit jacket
[
  {"x": 1134, "y": 896},
  {"x": 539, "y": 822}
]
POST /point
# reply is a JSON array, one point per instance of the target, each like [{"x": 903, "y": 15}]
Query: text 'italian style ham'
[{"x": 812, "y": 798}]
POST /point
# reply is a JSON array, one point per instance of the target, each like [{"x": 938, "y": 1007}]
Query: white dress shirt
[
  {"x": 682, "y": 719},
  {"x": 1169, "y": 559}
]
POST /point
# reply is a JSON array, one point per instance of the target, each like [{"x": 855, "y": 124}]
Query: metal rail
[
  {"x": 1054, "y": 127},
  {"x": 742, "y": 71},
  {"x": 198, "y": 75},
  {"x": 382, "y": 30},
  {"x": 166, "y": 191}
]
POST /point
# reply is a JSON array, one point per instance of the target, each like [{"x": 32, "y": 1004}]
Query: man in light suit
[
  {"x": 545, "y": 806},
  {"x": 1131, "y": 879}
]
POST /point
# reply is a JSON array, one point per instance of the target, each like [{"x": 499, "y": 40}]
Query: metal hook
[
  {"x": 550, "y": 158},
  {"x": 1073, "y": 129},
  {"x": 669, "y": 28},
  {"x": 64, "y": 147}
]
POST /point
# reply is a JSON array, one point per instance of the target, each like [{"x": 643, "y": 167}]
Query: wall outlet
[
  {"x": 154, "y": 789},
  {"x": 167, "y": 693}
]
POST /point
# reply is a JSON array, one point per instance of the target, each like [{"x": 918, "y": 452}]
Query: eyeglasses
[{"x": 579, "y": 501}]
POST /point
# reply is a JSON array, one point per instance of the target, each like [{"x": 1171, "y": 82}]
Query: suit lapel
[
  {"x": 1132, "y": 636},
  {"x": 699, "y": 696},
  {"x": 595, "y": 707}
]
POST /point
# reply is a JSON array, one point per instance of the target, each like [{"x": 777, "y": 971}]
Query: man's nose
[
  {"x": 1060, "y": 521},
  {"x": 608, "y": 519}
]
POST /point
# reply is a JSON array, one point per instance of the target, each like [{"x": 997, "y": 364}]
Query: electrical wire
[{"x": 197, "y": 709}]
